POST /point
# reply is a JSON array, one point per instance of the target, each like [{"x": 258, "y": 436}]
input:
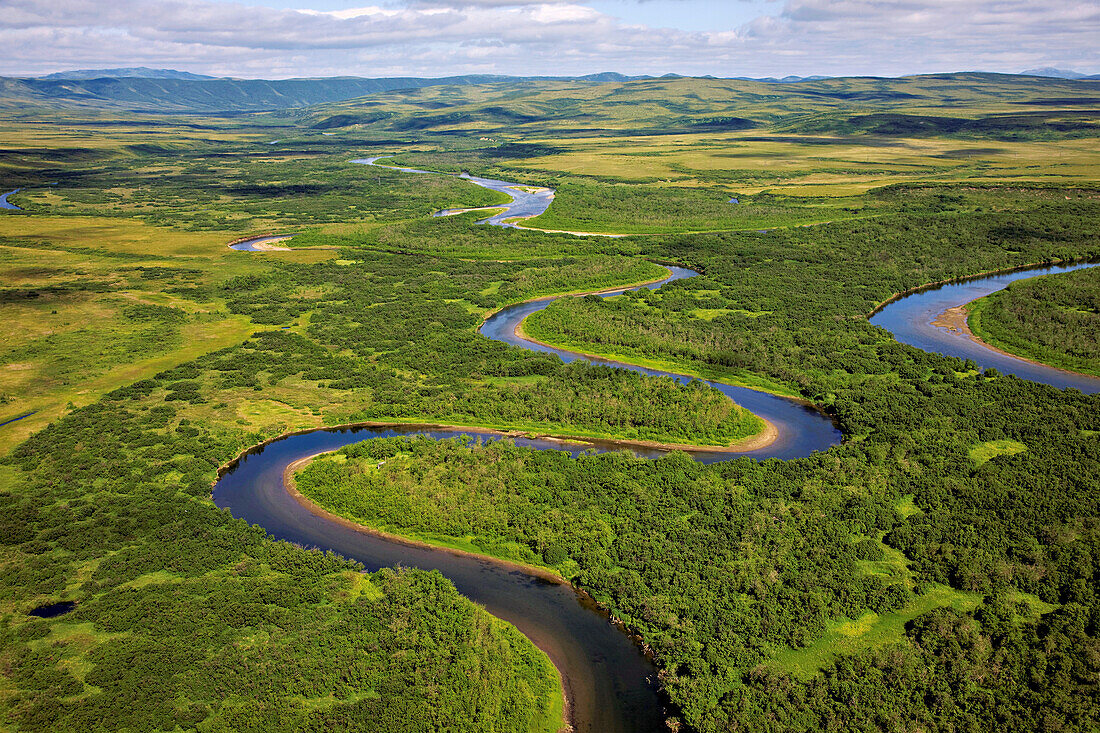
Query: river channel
[
  {"x": 911, "y": 320},
  {"x": 610, "y": 684},
  {"x": 527, "y": 201},
  {"x": 5, "y": 204}
]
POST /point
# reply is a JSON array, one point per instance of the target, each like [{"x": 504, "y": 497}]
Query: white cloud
[{"x": 442, "y": 37}]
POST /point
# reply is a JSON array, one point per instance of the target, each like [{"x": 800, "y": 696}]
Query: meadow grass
[
  {"x": 982, "y": 453},
  {"x": 871, "y": 630}
]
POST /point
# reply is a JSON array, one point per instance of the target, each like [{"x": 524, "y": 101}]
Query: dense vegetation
[
  {"x": 788, "y": 305},
  {"x": 722, "y": 566},
  {"x": 937, "y": 571},
  {"x": 1053, "y": 319},
  {"x": 175, "y": 594},
  {"x": 721, "y": 614},
  {"x": 602, "y": 207}
]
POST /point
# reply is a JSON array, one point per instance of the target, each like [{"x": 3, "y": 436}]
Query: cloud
[{"x": 442, "y": 37}]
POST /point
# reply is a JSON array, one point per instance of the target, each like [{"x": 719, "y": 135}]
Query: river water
[
  {"x": 802, "y": 429},
  {"x": 910, "y": 320},
  {"x": 611, "y": 685},
  {"x": 5, "y": 204},
  {"x": 249, "y": 245},
  {"x": 527, "y": 201}
]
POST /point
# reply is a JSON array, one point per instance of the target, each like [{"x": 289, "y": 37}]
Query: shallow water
[
  {"x": 249, "y": 245},
  {"x": 5, "y": 204},
  {"x": 910, "y": 320}
]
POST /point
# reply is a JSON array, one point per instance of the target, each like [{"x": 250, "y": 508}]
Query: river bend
[
  {"x": 911, "y": 317},
  {"x": 610, "y": 684},
  {"x": 5, "y": 204},
  {"x": 527, "y": 201}
]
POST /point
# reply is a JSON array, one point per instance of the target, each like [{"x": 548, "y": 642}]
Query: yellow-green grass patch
[
  {"x": 982, "y": 453},
  {"x": 871, "y": 630}
]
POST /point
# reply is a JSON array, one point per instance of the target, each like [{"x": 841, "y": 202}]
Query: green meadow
[{"x": 932, "y": 572}]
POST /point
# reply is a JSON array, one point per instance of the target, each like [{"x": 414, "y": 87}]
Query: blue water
[
  {"x": 524, "y": 204},
  {"x": 910, "y": 320},
  {"x": 802, "y": 429},
  {"x": 15, "y": 419},
  {"x": 53, "y": 610},
  {"x": 5, "y": 204},
  {"x": 610, "y": 683},
  {"x": 249, "y": 245}
]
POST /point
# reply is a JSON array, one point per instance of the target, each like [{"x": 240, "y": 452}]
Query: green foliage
[
  {"x": 968, "y": 585},
  {"x": 168, "y": 587},
  {"x": 793, "y": 300},
  {"x": 621, "y": 208},
  {"x": 1054, "y": 319},
  {"x": 437, "y": 368}
]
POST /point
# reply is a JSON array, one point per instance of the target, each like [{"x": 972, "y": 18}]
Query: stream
[
  {"x": 610, "y": 684},
  {"x": 910, "y": 319},
  {"x": 5, "y": 204}
]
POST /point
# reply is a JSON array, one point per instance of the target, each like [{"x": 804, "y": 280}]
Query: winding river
[
  {"x": 610, "y": 684},
  {"x": 527, "y": 201},
  {"x": 5, "y": 204},
  {"x": 802, "y": 429},
  {"x": 912, "y": 320}
]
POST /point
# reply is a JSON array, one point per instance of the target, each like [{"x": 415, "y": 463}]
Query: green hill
[{"x": 965, "y": 103}]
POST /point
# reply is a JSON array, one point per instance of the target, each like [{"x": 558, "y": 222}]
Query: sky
[{"x": 276, "y": 39}]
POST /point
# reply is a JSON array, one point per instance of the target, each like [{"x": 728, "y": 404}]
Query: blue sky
[
  {"x": 294, "y": 38},
  {"x": 687, "y": 15}
]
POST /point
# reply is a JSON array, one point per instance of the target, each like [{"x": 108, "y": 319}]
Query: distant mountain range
[
  {"x": 167, "y": 90},
  {"x": 172, "y": 94},
  {"x": 138, "y": 72},
  {"x": 1058, "y": 73},
  {"x": 144, "y": 72}
]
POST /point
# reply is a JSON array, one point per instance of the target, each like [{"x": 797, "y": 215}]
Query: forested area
[
  {"x": 617, "y": 207},
  {"x": 728, "y": 570},
  {"x": 186, "y": 615},
  {"x": 411, "y": 322},
  {"x": 1052, "y": 319},
  {"x": 205, "y": 186},
  {"x": 920, "y": 576},
  {"x": 789, "y": 304}
]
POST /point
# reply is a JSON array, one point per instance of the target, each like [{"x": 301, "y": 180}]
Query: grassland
[
  {"x": 953, "y": 520},
  {"x": 667, "y": 155}
]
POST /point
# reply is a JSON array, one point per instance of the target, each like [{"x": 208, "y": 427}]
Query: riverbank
[
  {"x": 958, "y": 320},
  {"x": 260, "y": 243},
  {"x": 767, "y": 434},
  {"x": 567, "y": 700},
  {"x": 668, "y": 366},
  {"x": 978, "y": 276},
  {"x": 935, "y": 318},
  {"x": 576, "y": 293}
]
